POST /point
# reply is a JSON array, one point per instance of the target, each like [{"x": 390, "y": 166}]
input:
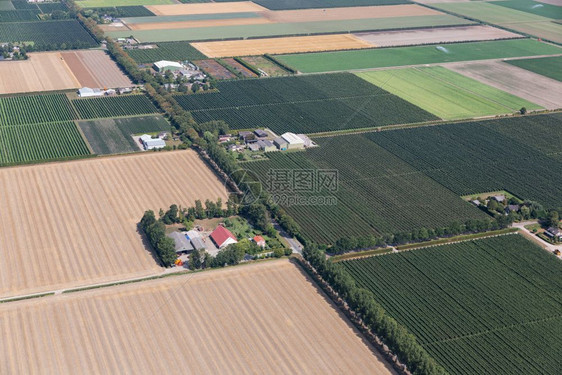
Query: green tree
[{"x": 166, "y": 250}]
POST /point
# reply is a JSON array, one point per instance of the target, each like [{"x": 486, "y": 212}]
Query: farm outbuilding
[
  {"x": 163, "y": 65},
  {"x": 150, "y": 143},
  {"x": 198, "y": 243},
  {"x": 266, "y": 146},
  {"x": 86, "y": 92},
  {"x": 182, "y": 244},
  {"x": 222, "y": 237},
  {"x": 260, "y": 133},
  {"x": 293, "y": 141},
  {"x": 281, "y": 143}
]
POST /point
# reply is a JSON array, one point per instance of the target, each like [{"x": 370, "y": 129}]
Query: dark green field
[
  {"x": 547, "y": 66},
  {"x": 125, "y": 11},
  {"x": 114, "y": 106},
  {"x": 307, "y": 104},
  {"x": 173, "y": 51},
  {"x": 19, "y": 15},
  {"x": 487, "y": 156},
  {"x": 47, "y": 33},
  {"x": 377, "y": 193},
  {"x": 35, "y": 109},
  {"x": 113, "y": 136},
  {"x": 490, "y": 306},
  {"x": 304, "y": 4}
]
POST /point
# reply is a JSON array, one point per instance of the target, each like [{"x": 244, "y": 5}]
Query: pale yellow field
[
  {"x": 75, "y": 223},
  {"x": 201, "y": 23},
  {"x": 204, "y": 8},
  {"x": 264, "y": 318},
  {"x": 282, "y": 45},
  {"x": 44, "y": 71}
]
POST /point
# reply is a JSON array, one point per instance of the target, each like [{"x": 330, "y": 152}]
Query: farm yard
[
  {"x": 43, "y": 71},
  {"x": 114, "y": 135},
  {"x": 388, "y": 196},
  {"x": 435, "y": 35},
  {"x": 447, "y": 94},
  {"x": 267, "y": 66},
  {"x": 473, "y": 157},
  {"x": 214, "y": 69},
  {"x": 239, "y": 68},
  {"x": 173, "y": 51},
  {"x": 523, "y": 83},
  {"x": 95, "y": 69},
  {"x": 546, "y": 66},
  {"x": 76, "y": 245},
  {"x": 418, "y": 55},
  {"x": 110, "y": 327},
  {"x": 113, "y": 106},
  {"x": 442, "y": 303},
  {"x": 281, "y": 45},
  {"x": 308, "y": 104},
  {"x": 68, "y": 32}
]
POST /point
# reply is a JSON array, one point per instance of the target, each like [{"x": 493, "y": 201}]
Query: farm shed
[
  {"x": 260, "y": 133},
  {"x": 281, "y": 143},
  {"x": 254, "y": 146},
  {"x": 86, "y": 92},
  {"x": 293, "y": 141},
  {"x": 182, "y": 244},
  {"x": 150, "y": 143},
  {"x": 307, "y": 141},
  {"x": 223, "y": 237},
  {"x": 266, "y": 146},
  {"x": 197, "y": 243},
  {"x": 554, "y": 233},
  {"x": 163, "y": 65}
]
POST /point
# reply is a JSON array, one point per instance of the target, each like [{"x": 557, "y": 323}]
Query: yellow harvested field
[
  {"x": 204, "y": 8},
  {"x": 265, "y": 318},
  {"x": 201, "y": 23},
  {"x": 44, "y": 71},
  {"x": 75, "y": 223},
  {"x": 250, "y": 47},
  {"x": 349, "y": 13}
]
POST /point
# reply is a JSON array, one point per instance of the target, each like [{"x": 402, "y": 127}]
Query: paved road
[
  {"x": 542, "y": 243},
  {"x": 294, "y": 244}
]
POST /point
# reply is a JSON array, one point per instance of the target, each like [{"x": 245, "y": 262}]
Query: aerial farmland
[{"x": 280, "y": 186}]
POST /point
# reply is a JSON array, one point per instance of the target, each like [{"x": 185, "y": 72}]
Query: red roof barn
[{"x": 222, "y": 237}]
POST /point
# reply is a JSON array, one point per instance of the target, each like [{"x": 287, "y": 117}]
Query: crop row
[
  {"x": 115, "y": 106},
  {"x": 474, "y": 157},
  {"x": 34, "y": 109},
  {"x": 19, "y": 15},
  {"x": 61, "y": 34},
  {"x": 27, "y": 143},
  {"x": 477, "y": 307}
]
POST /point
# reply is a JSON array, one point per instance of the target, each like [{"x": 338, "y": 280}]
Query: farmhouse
[
  {"x": 554, "y": 233},
  {"x": 86, "y": 92},
  {"x": 499, "y": 198},
  {"x": 223, "y": 237},
  {"x": 293, "y": 141},
  {"x": 150, "y": 143},
  {"x": 182, "y": 244},
  {"x": 163, "y": 65},
  {"x": 259, "y": 241}
]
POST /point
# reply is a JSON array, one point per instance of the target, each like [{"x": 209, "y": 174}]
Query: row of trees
[
  {"x": 363, "y": 302},
  {"x": 155, "y": 231},
  {"x": 210, "y": 210}
]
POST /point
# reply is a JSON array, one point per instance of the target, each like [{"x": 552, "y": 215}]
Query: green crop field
[
  {"x": 35, "y": 109},
  {"x": 308, "y": 104},
  {"x": 190, "y": 17},
  {"x": 400, "y": 56},
  {"x": 490, "y": 306},
  {"x": 40, "y": 142},
  {"x": 114, "y": 136},
  {"x": 305, "y": 4},
  {"x": 173, "y": 51},
  {"x": 115, "y": 3},
  {"x": 534, "y": 7},
  {"x": 48, "y": 33},
  {"x": 376, "y": 193},
  {"x": 114, "y": 106},
  {"x": 6, "y": 5},
  {"x": 287, "y": 29},
  {"x": 19, "y": 15},
  {"x": 51, "y": 7},
  {"x": 445, "y": 93},
  {"x": 547, "y": 66},
  {"x": 517, "y": 20},
  {"x": 127, "y": 11},
  {"x": 474, "y": 157}
]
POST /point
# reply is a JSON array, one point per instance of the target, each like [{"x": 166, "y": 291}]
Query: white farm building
[
  {"x": 86, "y": 92},
  {"x": 163, "y": 65},
  {"x": 150, "y": 143},
  {"x": 293, "y": 141}
]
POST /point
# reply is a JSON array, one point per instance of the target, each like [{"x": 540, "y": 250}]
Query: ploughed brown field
[
  {"x": 75, "y": 223},
  {"x": 265, "y": 318},
  {"x": 204, "y": 8},
  {"x": 95, "y": 69},
  {"x": 44, "y": 71},
  {"x": 281, "y": 45}
]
